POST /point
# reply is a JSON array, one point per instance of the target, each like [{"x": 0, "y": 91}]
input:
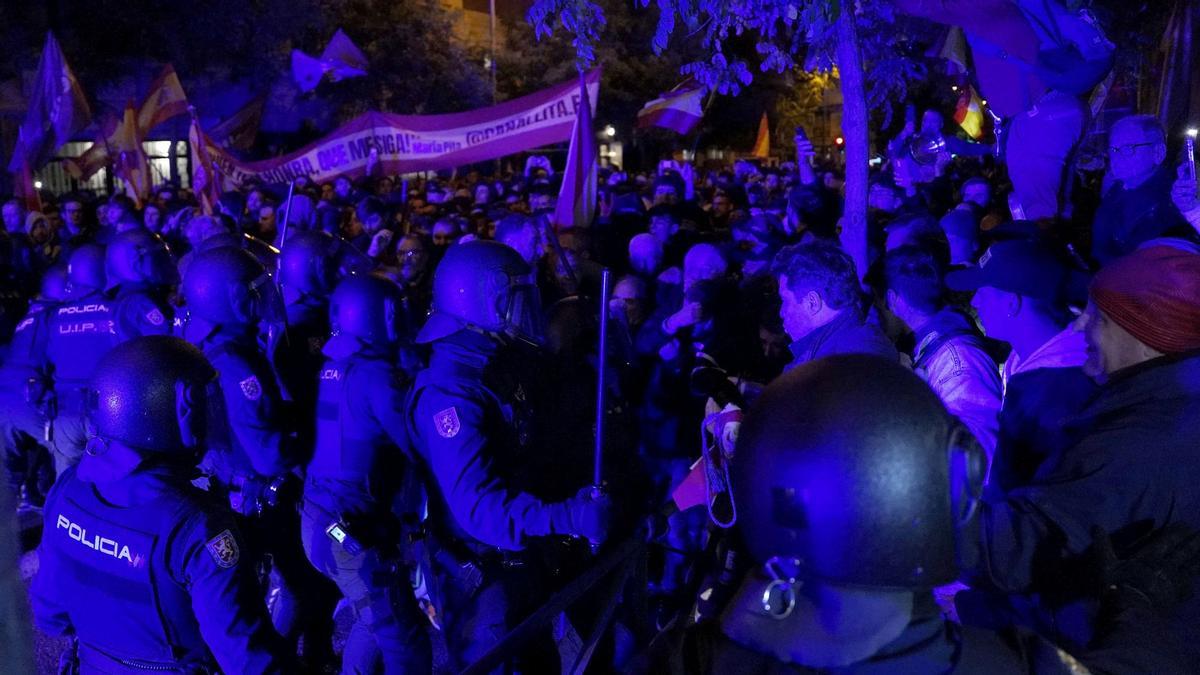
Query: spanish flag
[
  {"x": 164, "y": 101},
  {"x": 968, "y": 113},
  {"x": 762, "y": 144},
  {"x": 130, "y": 163},
  {"x": 206, "y": 180},
  {"x": 680, "y": 110}
]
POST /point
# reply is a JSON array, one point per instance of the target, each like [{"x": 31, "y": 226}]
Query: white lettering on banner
[
  {"x": 440, "y": 141},
  {"x": 104, "y": 545},
  {"x": 331, "y": 374}
]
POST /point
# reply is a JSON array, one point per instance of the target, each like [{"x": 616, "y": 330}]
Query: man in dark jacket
[
  {"x": 822, "y": 308},
  {"x": 1138, "y": 207},
  {"x": 1131, "y": 471}
]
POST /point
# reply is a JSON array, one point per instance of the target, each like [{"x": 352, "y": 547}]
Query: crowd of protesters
[{"x": 1069, "y": 350}]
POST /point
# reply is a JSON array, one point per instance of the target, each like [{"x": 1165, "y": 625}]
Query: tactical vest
[
  {"x": 112, "y": 565},
  {"x": 355, "y": 466},
  {"x": 81, "y": 333},
  {"x": 226, "y": 459},
  {"x": 27, "y": 348}
]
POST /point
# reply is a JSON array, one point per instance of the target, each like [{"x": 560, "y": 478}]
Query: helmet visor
[
  {"x": 523, "y": 315},
  {"x": 267, "y": 301}
]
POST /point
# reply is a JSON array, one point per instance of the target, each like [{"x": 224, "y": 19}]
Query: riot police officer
[
  {"x": 252, "y": 455},
  {"x": 471, "y": 421},
  {"x": 307, "y": 274},
  {"x": 143, "y": 569},
  {"x": 857, "y": 495},
  {"x": 82, "y": 331},
  {"x": 351, "y": 529},
  {"x": 22, "y": 420},
  {"x": 141, "y": 275}
]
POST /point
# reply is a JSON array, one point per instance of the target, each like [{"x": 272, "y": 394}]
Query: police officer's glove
[
  {"x": 590, "y": 514},
  {"x": 1158, "y": 573}
]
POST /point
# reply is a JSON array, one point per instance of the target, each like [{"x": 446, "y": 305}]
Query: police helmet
[
  {"x": 485, "y": 286},
  {"x": 366, "y": 307},
  {"x": 54, "y": 284},
  {"x": 850, "y": 470},
  {"x": 85, "y": 270},
  {"x": 228, "y": 286},
  {"x": 307, "y": 263},
  {"x": 139, "y": 256},
  {"x": 133, "y": 396}
]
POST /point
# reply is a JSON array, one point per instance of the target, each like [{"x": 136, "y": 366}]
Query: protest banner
[{"x": 410, "y": 143}]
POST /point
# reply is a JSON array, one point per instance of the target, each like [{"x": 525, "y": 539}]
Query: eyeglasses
[
  {"x": 414, "y": 253},
  {"x": 1127, "y": 150}
]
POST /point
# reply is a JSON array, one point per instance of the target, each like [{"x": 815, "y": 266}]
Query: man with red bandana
[{"x": 1131, "y": 468}]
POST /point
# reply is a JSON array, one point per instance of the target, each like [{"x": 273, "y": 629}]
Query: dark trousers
[{"x": 388, "y": 627}]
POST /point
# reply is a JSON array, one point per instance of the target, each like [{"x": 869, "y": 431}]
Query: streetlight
[
  {"x": 1192, "y": 132},
  {"x": 37, "y": 185},
  {"x": 610, "y": 131}
]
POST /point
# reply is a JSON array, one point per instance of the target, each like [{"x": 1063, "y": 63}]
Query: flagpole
[{"x": 700, "y": 127}]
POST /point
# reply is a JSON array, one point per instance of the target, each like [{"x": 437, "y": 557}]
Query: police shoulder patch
[
  {"x": 224, "y": 549},
  {"x": 446, "y": 422},
  {"x": 251, "y": 389},
  {"x": 155, "y": 317}
]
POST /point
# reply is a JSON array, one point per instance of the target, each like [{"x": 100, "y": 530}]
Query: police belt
[
  {"x": 93, "y": 658},
  {"x": 377, "y": 536},
  {"x": 70, "y": 396}
]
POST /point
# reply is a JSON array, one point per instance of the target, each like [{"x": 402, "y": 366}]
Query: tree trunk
[{"x": 855, "y": 131}]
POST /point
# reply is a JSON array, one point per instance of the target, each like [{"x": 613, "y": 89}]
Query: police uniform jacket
[
  {"x": 474, "y": 433},
  {"x": 84, "y": 330},
  {"x": 362, "y": 435},
  {"x": 247, "y": 440},
  {"x": 147, "y": 572}
]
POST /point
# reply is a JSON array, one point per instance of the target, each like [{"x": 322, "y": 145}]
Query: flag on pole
[
  {"x": 206, "y": 181},
  {"x": 968, "y": 112},
  {"x": 954, "y": 51},
  {"x": 238, "y": 131},
  {"x": 762, "y": 144},
  {"x": 130, "y": 163},
  {"x": 58, "y": 109},
  {"x": 680, "y": 111},
  {"x": 341, "y": 60},
  {"x": 577, "y": 197},
  {"x": 24, "y": 188},
  {"x": 164, "y": 100}
]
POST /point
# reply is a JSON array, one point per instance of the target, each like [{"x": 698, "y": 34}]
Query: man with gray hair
[{"x": 1138, "y": 206}]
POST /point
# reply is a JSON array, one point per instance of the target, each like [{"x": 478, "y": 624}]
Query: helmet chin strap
[{"x": 826, "y": 627}]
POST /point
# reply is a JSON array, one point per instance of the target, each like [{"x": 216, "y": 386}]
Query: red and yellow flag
[
  {"x": 130, "y": 163},
  {"x": 968, "y": 112},
  {"x": 206, "y": 180},
  {"x": 762, "y": 144},
  {"x": 577, "y": 197},
  {"x": 164, "y": 101}
]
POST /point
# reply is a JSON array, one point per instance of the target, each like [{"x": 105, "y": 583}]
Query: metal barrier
[{"x": 620, "y": 564}]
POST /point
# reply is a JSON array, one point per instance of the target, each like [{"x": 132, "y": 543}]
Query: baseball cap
[{"x": 1028, "y": 268}]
